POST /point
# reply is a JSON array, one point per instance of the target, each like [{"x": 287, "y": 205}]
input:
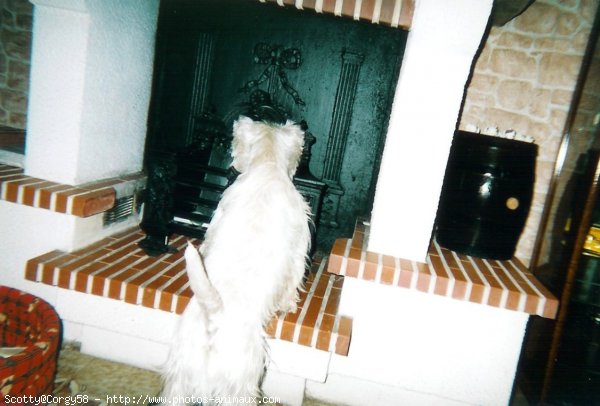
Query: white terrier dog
[{"x": 250, "y": 267}]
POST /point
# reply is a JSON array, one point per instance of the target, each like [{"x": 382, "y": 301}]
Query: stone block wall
[
  {"x": 524, "y": 79},
  {"x": 15, "y": 52}
]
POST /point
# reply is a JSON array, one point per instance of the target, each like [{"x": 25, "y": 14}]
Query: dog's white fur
[{"x": 250, "y": 267}]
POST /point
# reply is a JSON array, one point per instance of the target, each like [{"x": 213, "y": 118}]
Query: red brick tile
[
  {"x": 59, "y": 260},
  {"x": 423, "y": 282},
  {"x": 460, "y": 290},
  {"x": 321, "y": 286},
  {"x": 370, "y": 271},
  {"x": 328, "y": 6},
  {"x": 289, "y": 325},
  {"x": 344, "y": 334},
  {"x": 29, "y": 192},
  {"x": 110, "y": 271},
  {"x": 93, "y": 202},
  {"x": 148, "y": 262},
  {"x": 334, "y": 265},
  {"x": 352, "y": 267},
  {"x": 386, "y": 13},
  {"x": 182, "y": 300},
  {"x": 45, "y": 199},
  {"x": 177, "y": 283},
  {"x": 531, "y": 304},
  {"x": 406, "y": 14},
  {"x": 151, "y": 289},
  {"x": 12, "y": 188},
  {"x": 387, "y": 275},
  {"x": 495, "y": 296},
  {"x": 441, "y": 286},
  {"x": 366, "y": 10},
  {"x": 87, "y": 258},
  {"x": 64, "y": 278},
  {"x": 62, "y": 198},
  {"x": 176, "y": 269},
  {"x": 339, "y": 247},
  {"x": 32, "y": 264},
  {"x": 48, "y": 275},
  {"x": 142, "y": 278},
  {"x": 31, "y": 270},
  {"x": 405, "y": 277},
  {"x": 117, "y": 283},
  {"x": 357, "y": 241},
  {"x": 550, "y": 309},
  {"x": 310, "y": 319},
  {"x": 333, "y": 301},
  {"x": 324, "y": 333},
  {"x": 116, "y": 255}
]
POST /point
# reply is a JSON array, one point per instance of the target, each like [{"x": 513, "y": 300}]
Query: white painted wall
[
  {"x": 440, "y": 51},
  {"x": 90, "y": 87},
  {"x": 28, "y": 232},
  {"x": 425, "y": 349}
]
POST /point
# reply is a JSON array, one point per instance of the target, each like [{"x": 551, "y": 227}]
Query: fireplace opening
[{"x": 216, "y": 60}]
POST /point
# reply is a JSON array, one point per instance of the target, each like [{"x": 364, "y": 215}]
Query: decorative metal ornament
[
  {"x": 278, "y": 60},
  {"x": 209, "y": 132}
]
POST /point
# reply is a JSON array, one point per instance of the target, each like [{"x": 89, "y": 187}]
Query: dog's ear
[
  {"x": 240, "y": 145},
  {"x": 290, "y": 140}
]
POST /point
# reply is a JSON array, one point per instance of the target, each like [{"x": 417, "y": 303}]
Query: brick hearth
[{"x": 118, "y": 269}]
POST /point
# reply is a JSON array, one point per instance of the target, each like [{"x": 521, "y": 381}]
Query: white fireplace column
[
  {"x": 90, "y": 85},
  {"x": 440, "y": 50}
]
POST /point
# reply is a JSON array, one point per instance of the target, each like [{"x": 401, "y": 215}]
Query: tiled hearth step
[
  {"x": 82, "y": 201},
  {"x": 117, "y": 268},
  {"x": 504, "y": 284}
]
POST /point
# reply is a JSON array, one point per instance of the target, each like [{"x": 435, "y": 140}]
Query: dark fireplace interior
[{"x": 216, "y": 60}]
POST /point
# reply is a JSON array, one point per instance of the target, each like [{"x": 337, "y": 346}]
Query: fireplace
[
  {"x": 218, "y": 60},
  {"x": 88, "y": 121},
  {"x": 88, "y": 115}
]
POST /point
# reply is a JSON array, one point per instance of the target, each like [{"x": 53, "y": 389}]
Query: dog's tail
[
  {"x": 185, "y": 371},
  {"x": 217, "y": 351},
  {"x": 237, "y": 345},
  {"x": 204, "y": 292}
]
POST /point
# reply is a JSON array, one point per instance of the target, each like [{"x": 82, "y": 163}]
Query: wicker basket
[{"x": 30, "y": 322}]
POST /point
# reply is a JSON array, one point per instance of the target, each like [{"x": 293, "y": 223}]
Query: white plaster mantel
[
  {"x": 440, "y": 51},
  {"x": 90, "y": 84}
]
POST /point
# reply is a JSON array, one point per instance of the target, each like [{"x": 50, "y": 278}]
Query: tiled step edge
[
  {"x": 82, "y": 201},
  {"x": 117, "y": 268},
  {"x": 385, "y": 12},
  {"x": 317, "y": 322},
  {"x": 503, "y": 284}
]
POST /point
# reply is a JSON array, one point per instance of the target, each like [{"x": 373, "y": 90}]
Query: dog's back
[{"x": 254, "y": 257}]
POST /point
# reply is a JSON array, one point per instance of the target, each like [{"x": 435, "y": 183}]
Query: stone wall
[
  {"x": 524, "y": 80},
  {"x": 15, "y": 50}
]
